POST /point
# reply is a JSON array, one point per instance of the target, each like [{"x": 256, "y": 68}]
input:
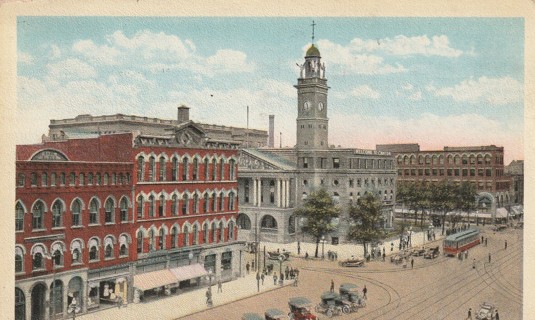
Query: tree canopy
[{"x": 365, "y": 220}]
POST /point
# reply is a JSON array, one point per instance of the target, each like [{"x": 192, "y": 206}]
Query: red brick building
[{"x": 104, "y": 219}]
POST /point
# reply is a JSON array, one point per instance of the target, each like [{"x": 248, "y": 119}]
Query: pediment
[
  {"x": 248, "y": 161},
  {"x": 189, "y": 135}
]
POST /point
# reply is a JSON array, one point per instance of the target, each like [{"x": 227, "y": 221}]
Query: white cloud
[
  {"x": 416, "y": 96},
  {"x": 407, "y": 87},
  {"x": 364, "y": 91},
  {"x": 96, "y": 54},
  {"x": 55, "y": 52},
  {"x": 70, "y": 69},
  {"x": 24, "y": 57},
  {"x": 402, "y": 45},
  {"x": 495, "y": 91}
]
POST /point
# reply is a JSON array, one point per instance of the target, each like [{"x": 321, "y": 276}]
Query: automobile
[
  {"x": 251, "y": 316},
  {"x": 486, "y": 312},
  {"x": 274, "y": 255},
  {"x": 275, "y": 314},
  {"x": 350, "y": 299},
  {"x": 351, "y": 262},
  {"x": 300, "y": 309},
  {"x": 432, "y": 253},
  {"x": 328, "y": 305},
  {"x": 500, "y": 227},
  {"x": 418, "y": 252},
  {"x": 397, "y": 258}
]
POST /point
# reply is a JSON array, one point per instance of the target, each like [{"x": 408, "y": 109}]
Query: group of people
[
  {"x": 332, "y": 255},
  {"x": 496, "y": 314},
  {"x": 289, "y": 273}
]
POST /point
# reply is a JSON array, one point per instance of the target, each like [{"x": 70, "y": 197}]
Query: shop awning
[
  {"x": 189, "y": 272},
  {"x": 154, "y": 279}
]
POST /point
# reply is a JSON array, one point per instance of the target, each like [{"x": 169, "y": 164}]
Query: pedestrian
[
  {"x": 219, "y": 286},
  {"x": 252, "y": 264},
  {"x": 497, "y": 315},
  {"x": 332, "y": 285},
  {"x": 384, "y": 256},
  {"x": 486, "y": 240},
  {"x": 482, "y": 239},
  {"x": 466, "y": 254},
  {"x": 400, "y": 246},
  {"x": 298, "y": 248},
  {"x": 469, "y": 314},
  {"x": 391, "y": 246},
  {"x": 412, "y": 263},
  {"x": 295, "y": 281},
  {"x": 286, "y": 272},
  {"x": 489, "y": 257},
  {"x": 209, "y": 297},
  {"x": 505, "y": 244},
  {"x": 383, "y": 250},
  {"x": 282, "y": 279},
  {"x": 474, "y": 263},
  {"x": 119, "y": 302},
  {"x": 274, "y": 278},
  {"x": 247, "y": 267},
  {"x": 364, "y": 292},
  {"x": 262, "y": 277},
  {"x": 306, "y": 255}
]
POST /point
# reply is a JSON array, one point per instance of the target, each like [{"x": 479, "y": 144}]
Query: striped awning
[
  {"x": 154, "y": 279},
  {"x": 189, "y": 272}
]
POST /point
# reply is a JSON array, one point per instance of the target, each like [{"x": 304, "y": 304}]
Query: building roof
[
  {"x": 312, "y": 52},
  {"x": 275, "y": 160}
]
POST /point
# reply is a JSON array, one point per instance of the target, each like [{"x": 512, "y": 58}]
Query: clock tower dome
[{"x": 312, "y": 121}]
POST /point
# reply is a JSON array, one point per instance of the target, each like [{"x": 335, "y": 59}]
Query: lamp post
[
  {"x": 190, "y": 256},
  {"x": 210, "y": 275},
  {"x": 73, "y": 308},
  {"x": 322, "y": 247},
  {"x": 281, "y": 259}
]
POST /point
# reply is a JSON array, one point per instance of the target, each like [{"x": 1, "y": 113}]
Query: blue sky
[{"x": 433, "y": 81}]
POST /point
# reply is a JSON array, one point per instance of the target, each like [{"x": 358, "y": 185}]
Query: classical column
[
  {"x": 279, "y": 202},
  {"x": 283, "y": 193},
  {"x": 259, "y": 189},
  {"x": 254, "y": 191},
  {"x": 287, "y": 196}
]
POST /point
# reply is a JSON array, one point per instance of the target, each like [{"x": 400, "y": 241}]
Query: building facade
[
  {"x": 120, "y": 217},
  {"x": 515, "y": 169},
  {"x": 273, "y": 182}
]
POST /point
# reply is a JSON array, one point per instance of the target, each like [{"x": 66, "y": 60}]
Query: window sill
[
  {"x": 109, "y": 223},
  {"x": 19, "y": 231},
  {"x": 38, "y": 230},
  {"x": 94, "y": 225},
  {"x": 58, "y": 228},
  {"x": 125, "y": 222},
  {"x": 20, "y": 273},
  {"x": 38, "y": 270},
  {"x": 123, "y": 256},
  {"x": 109, "y": 258},
  {"x": 93, "y": 261},
  {"x": 74, "y": 264},
  {"x": 77, "y": 227}
]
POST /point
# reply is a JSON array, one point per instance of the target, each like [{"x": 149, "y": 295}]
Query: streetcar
[{"x": 461, "y": 241}]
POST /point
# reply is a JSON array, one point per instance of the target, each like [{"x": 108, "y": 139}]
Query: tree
[
  {"x": 467, "y": 195},
  {"x": 366, "y": 219},
  {"x": 319, "y": 211},
  {"x": 442, "y": 199}
]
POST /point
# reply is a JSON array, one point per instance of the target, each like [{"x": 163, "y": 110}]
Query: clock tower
[{"x": 312, "y": 121}]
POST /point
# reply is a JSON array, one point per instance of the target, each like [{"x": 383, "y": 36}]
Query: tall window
[
  {"x": 99, "y": 179},
  {"x": 140, "y": 207},
  {"x": 185, "y": 169},
  {"x": 81, "y": 179},
  {"x": 214, "y": 232},
  {"x": 174, "y": 237},
  {"x": 33, "y": 179},
  {"x": 57, "y": 256},
  {"x": 161, "y": 206},
  {"x": 221, "y": 201},
  {"x": 186, "y": 236},
  {"x": 37, "y": 215},
  {"x": 151, "y": 206},
  {"x": 76, "y": 256},
  {"x": 195, "y": 168},
  {"x": 110, "y": 211},
  {"x": 139, "y": 241},
  {"x": 214, "y": 169},
  {"x": 19, "y": 265},
  {"x": 93, "y": 253},
  {"x": 174, "y": 205},
  {"x": 205, "y": 233},
  {"x": 21, "y": 180},
  {"x": 174, "y": 169},
  {"x": 205, "y": 202},
  {"x": 37, "y": 261},
  {"x": 151, "y": 240},
  {"x": 19, "y": 217},
  {"x": 124, "y": 210},
  {"x": 221, "y": 231},
  {"x": 108, "y": 251},
  {"x": 232, "y": 169},
  {"x": 185, "y": 200},
  {"x": 231, "y": 201},
  {"x": 140, "y": 165},
  {"x": 214, "y": 202},
  {"x": 72, "y": 179},
  {"x": 161, "y": 240},
  {"x": 114, "y": 178},
  {"x": 195, "y": 203},
  {"x": 53, "y": 179},
  {"x": 89, "y": 178},
  {"x": 195, "y": 234},
  {"x": 231, "y": 230},
  {"x": 106, "y": 178},
  {"x": 206, "y": 173},
  {"x": 162, "y": 169},
  {"x": 93, "y": 212},
  {"x": 44, "y": 180},
  {"x": 152, "y": 168},
  {"x": 76, "y": 213},
  {"x": 62, "y": 178},
  {"x": 221, "y": 169}
]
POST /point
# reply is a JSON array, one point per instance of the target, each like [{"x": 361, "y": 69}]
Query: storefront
[{"x": 107, "y": 287}]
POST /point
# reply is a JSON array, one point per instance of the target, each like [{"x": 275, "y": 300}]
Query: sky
[{"x": 432, "y": 81}]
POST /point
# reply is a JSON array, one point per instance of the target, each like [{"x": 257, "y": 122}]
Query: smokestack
[
  {"x": 271, "y": 132},
  {"x": 183, "y": 114}
]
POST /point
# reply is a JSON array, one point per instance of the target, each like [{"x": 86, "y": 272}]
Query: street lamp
[
  {"x": 190, "y": 256},
  {"x": 281, "y": 259},
  {"x": 322, "y": 247},
  {"x": 73, "y": 308},
  {"x": 210, "y": 275}
]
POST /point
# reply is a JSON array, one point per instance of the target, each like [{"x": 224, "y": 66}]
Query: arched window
[
  {"x": 139, "y": 239},
  {"x": 89, "y": 178},
  {"x": 161, "y": 206},
  {"x": 151, "y": 206},
  {"x": 174, "y": 169},
  {"x": 37, "y": 215},
  {"x": 214, "y": 232},
  {"x": 76, "y": 213},
  {"x": 76, "y": 256},
  {"x": 174, "y": 237},
  {"x": 57, "y": 214},
  {"x": 231, "y": 201},
  {"x": 231, "y": 230},
  {"x": 19, "y": 260},
  {"x": 221, "y": 169},
  {"x": 268, "y": 223},
  {"x": 37, "y": 261},
  {"x": 244, "y": 222},
  {"x": 123, "y": 250},
  {"x": 291, "y": 224},
  {"x": 174, "y": 205},
  {"x": 221, "y": 201},
  {"x": 186, "y": 236},
  {"x": 206, "y": 173},
  {"x": 205, "y": 233},
  {"x": 185, "y": 169},
  {"x": 152, "y": 235},
  {"x": 140, "y": 207},
  {"x": 108, "y": 251},
  {"x": 62, "y": 179},
  {"x": 21, "y": 181},
  {"x": 114, "y": 178},
  {"x": 20, "y": 305},
  {"x": 185, "y": 200},
  {"x": 124, "y": 210},
  {"x": 205, "y": 202},
  {"x": 106, "y": 178},
  {"x": 232, "y": 169},
  {"x": 214, "y": 202},
  {"x": 195, "y": 169},
  {"x": 214, "y": 169},
  {"x": 161, "y": 240},
  {"x": 420, "y": 159},
  {"x": 44, "y": 179},
  {"x": 152, "y": 168},
  {"x": 441, "y": 159},
  {"x": 221, "y": 231},
  {"x": 140, "y": 165},
  {"x": 56, "y": 299},
  {"x": 195, "y": 203},
  {"x": 19, "y": 217},
  {"x": 99, "y": 179},
  {"x": 162, "y": 169},
  {"x": 93, "y": 249},
  {"x": 195, "y": 234},
  {"x": 81, "y": 179},
  {"x": 93, "y": 212},
  {"x": 110, "y": 211}
]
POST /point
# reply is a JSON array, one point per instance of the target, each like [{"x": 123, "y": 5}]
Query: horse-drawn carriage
[{"x": 328, "y": 305}]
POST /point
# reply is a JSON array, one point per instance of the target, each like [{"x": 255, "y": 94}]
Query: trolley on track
[{"x": 461, "y": 241}]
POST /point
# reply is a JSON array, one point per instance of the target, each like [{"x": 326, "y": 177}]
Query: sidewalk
[{"x": 181, "y": 305}]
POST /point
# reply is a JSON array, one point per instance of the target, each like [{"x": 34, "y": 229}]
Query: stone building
[
  {"x": 273, "y": 182},
  {"x": 515, "y": 169}
]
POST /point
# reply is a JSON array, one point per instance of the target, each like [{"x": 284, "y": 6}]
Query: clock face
[
  {"x": 306, "y": 105},
  {"x": 320, "y": 106}
]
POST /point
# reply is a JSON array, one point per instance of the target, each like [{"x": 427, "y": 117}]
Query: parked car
[
  {"x": 252, "y": 316},
  {"x": 350, "y": 299},
  {"x": 328, "y": 305},
  {"x": 418, "y": 252},
  {"x": 300, "y": 309},
  {"x": 486, "y": 312},
  {"x": 351, "y": 263},
  {"x": 275, "y": 314},
  {"x": 274, "y": 255},
  {"x": 432, "y": 253}
]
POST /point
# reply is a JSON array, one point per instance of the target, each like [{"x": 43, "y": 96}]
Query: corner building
[
  {"x": 122, "y": 217},
  {"x": 274, "y": 182}
]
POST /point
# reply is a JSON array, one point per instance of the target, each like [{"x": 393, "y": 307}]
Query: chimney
[
  {"x": 183, "y": 114},
  {"x": 271, "y": 132}
]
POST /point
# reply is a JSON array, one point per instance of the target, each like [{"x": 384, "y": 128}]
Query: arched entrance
[
  {"x": 268, "y": 224},
  {"x": 56, "y": 298},
  {"x": 76, "y": 292},
  {"x": 20, "y": 305},
  {"x": 38, "y": 301}
]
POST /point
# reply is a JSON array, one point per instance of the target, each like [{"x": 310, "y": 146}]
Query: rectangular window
[
  {"x": 450, "y": 172},
  {"x": 413, "y": 172},
  {"x": 441, "y": 172},
  {"x": 488, "y": 172},
  {"x": 481, "y": 172},
  {"x": 435, "y": 172},
  {"x": 465, "y": 172},
  {"x": 472, "y": 172},
  {"x": 53, "y": 179},
  {"x": 359, "y": 182},
  {"x": 336, "y": 163},
  {"x": 420, "y": 172},
  {"x": 305, "y": 163},
  {"x": 456, "y": 172},
  {"x": 323, "y": 163},
  {"x": 427, "y": 172},
  {"x": 351, "y": 183}
]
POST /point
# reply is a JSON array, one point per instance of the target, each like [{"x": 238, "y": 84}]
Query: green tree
[
  {"x": 366, "y": 217},
  {"x": 319, "y": 211},
  {"x": 467, "y": 195},
  {"x": 442, "y": 199}
]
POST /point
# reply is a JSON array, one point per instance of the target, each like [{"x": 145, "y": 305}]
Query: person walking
[
  {"x": 505, "y": 244},
  {"x": 391, "y": 246},
  {"x": 298, "y": 248},
  {"x": 482, "y": 239},
  {"x": 219, "y": 286},
  {"x": 332, "y": 285},
  {"x": 466, "y": 254},
  {"x": 295, "y": 281},
  {"x": 486, "y": 241},
  {"x": 469, "y": 314},
  {"x": 287, "y": 272},
  {"x": 497, "y": 315},
  {"x": 384, "y": 256},
  {"x": 474, "y": 263},
  {"x": 282, "y": 279},
  {"x": 274, "y": 278},
  {"x": 412, "y": 263},
  {"x": 247, "y": 267},
  {"x": 262, "y": 277},
  {"x": 209, "y": 297},
  {"x": 364, "y": 292},
  {"x": 489, "y": 257}
]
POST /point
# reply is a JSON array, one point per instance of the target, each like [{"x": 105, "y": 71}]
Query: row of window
[
  {"x": 450, "y": 159},
  {"x": 89, "y": 179},
  {"x": 456, "y": 172},
  {"x": 187, "y": 169},
  {"x": 185, "y": 205},
  {"x": 75, "y": 219},
  {"x": 353, "y": 163},
  {"x": 160, "y": 240}
]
